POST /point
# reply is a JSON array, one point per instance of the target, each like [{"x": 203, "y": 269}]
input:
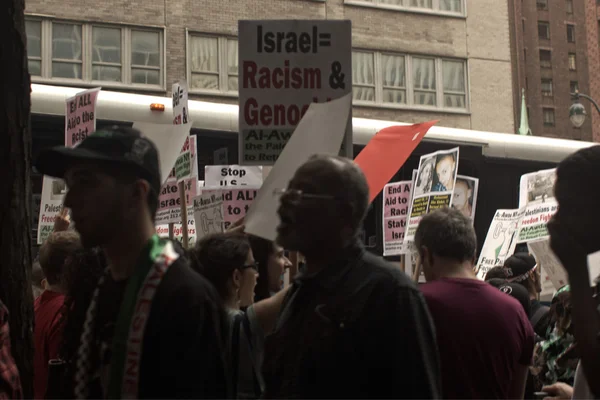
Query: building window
[
  {"x": 548, "y": 116},
  {"x": 94, "y": 53},
  {"x": 545, "y": 58},
  {"x": 573, "y": 86},
  {"x": 570, "y": 33},
  {"x": 572, "y": 62},
  {"x": 542, "y": 4},
  {"x": 543, "y": 30},
  {"x": 569, "y": 6},
  {"x": 547, "y": 87},
  {"x": 443, "y": 6},
  {"x": 213, "y": 64},
  {"x": 395, "y": 79}
]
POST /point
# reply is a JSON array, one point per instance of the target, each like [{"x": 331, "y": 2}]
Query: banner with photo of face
[
  {"x": 465, "y": 195},
  {"x": 433, "y": 188}
]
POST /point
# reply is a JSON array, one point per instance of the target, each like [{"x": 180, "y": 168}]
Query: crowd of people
[{"x": 121, "y": 312}]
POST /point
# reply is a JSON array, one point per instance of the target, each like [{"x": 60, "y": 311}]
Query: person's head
[
  {"x": 55, "y": 253},
  {"x": 523, "y": 269},
  {"x": 519, "y": 293},
  {"x": 38, "y": 281},
  {"x": 496, "y": 282},
  {"x": 446, "y": 242},
  {"x": 323, "y": 207},
  {"x": 114, "y": 181},
  {"x": 446, "y": 164},
  {"x": 575, "y": 191},
  {"x": 426, "y": 174},
  {"x": 462, "y": 196},
  {"x": 226, "y": 260},
  {"x": 495, "y": 273},
  {"x": 272, "y": 262}
]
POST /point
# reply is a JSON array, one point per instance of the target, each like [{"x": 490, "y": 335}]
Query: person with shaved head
[{"x": 352, "y": 325}]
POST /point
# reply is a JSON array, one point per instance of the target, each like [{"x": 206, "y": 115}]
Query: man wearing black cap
[
  {"x": 522, "y": 268},
  {"x": 153, "y": 328}
]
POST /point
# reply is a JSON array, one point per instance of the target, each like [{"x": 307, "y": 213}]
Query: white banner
[
  {"x": 232, "y": 175},
  {"x": 208, "y": 214}
]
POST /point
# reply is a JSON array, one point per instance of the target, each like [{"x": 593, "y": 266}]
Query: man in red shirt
[
  {"x": 54, "y": 255},
  {"x": 484, "y": 337}
]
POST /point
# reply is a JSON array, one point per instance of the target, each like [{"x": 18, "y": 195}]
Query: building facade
[
  {"x": 555, "y": 51},
  {"x": 413, "y": 60}
]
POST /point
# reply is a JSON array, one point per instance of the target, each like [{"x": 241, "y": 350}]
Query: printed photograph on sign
[
  {"x": 284, "y": 66},
  {"x": 465, "y": 195},
  {"x": 537, "y": 187},
  {"x": 434, "y": 186}
]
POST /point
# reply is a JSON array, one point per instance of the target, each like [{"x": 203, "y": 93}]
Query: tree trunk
[{"x": 15, "y": 188}]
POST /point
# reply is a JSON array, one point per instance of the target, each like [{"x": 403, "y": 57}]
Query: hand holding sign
[{"x": 62, "y": 221}]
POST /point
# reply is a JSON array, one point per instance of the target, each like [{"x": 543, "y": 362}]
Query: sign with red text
[
  {"x": 396, "y": 201},
  {"x": 236, "y": 202},
  {"x": 80, "y": 116},
  {"x": 169, "y": 200},
  {"x": 284, "y": 66}
]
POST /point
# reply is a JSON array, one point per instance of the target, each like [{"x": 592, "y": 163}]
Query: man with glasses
[
  {"x": 352, "y": 325},
  {"x": 153, "y": 328}
]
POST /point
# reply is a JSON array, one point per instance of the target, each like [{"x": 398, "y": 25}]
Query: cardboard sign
[{"x": 284, "y": 66}]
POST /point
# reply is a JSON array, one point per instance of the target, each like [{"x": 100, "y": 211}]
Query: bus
[{"x": 497, "y": 159}]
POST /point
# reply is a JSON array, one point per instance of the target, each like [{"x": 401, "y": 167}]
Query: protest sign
[
  {"x": 548, "y": 262},
  {"x": 236, "y": 202},
  {"x": 387, "y": 151},
  {"x": 434, "y": 186},
  {"x": 208, "y": 214},
  {"x": 80, "y": 116},
  {"x": 168, "y": 139},
  {"x": 465, "y": 195},
  {"x": 220, "y": 156},
  {"x": 594, "y": 267},
  {"x": 396, "y": 200},
  {"x": 536, "y": 198},
  {"x": 183, "y": 164},
  {"x": 169, "y": 200},
  {"x": 284, "y": 66},
  {"x": 321, "y": 130},
  {"x": 232, "y": 175},
  {"x": 80, "y": 121},
  {"x": 163, "y": 231},
  {"x": 500, "y": 241}
]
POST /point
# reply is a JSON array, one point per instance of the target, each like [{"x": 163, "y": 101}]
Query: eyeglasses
[
  {"x": 298, "y": 195},
  {"x": 254, "y": 266}
]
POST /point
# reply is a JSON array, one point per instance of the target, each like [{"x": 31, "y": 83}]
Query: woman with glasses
[{"x": 226, "y": 260}]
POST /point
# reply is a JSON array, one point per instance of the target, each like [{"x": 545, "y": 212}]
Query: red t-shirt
[
  {"x": 47, "y": 337},
  {"x": 483, "y": 334}
]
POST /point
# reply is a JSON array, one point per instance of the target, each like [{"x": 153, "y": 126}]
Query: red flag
[{"x": 387, "y": 152}]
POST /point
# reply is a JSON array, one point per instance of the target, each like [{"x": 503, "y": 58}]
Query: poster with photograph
[
  {"x": 396, "y": 200},
  {"x": 536, "y": 198},
  {"x": 549, "y": 263},
  {"x": 465, "y": 195},
  {"x": 434, "y": 186},
  {"x": 537, "y": 188},
  {"x": 500, "y": 241}
]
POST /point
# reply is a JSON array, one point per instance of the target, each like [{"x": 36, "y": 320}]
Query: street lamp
[{"x": 577, "y": 111}]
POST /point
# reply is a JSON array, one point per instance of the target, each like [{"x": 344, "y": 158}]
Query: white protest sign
[
  {"x": 536, "y": 197},
  {"x": 220, "y": 156},
  {"x": 284, "y": 66},
  {"x": 232, "y": 175},
  {"x": 433, "y": 188},
  {"x": 593, "y": 266},
  {"x": 396, "y": 200},
  {"x": 548, "y": 262},
  {"x": 169, "y": 200},
  {"x": 168, "y": 139},
  {"x": 208, "y": 214},
  {"x": 236, "y": 201},
  {"x": 80, "y": 121},
  {"x": 500, "y": 241},
  {"x": 321, "y": 130},
  {"x": 183, "y": 164}
]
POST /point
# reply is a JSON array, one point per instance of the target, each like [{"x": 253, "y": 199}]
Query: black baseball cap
[
  {"x": 519, "y": 293},
  {"x": 114, "y": 146},
  {"x": 519, "y": 266}
]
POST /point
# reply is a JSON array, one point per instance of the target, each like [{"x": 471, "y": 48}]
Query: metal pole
[{"x": 577, "y": 95}]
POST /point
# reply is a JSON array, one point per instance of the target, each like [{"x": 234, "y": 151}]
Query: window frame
[
  {"x": 574, "y": 61},
  {"x": 222, "y": 64},
  {"x": 548, "y": 124},
  {"x": 541, "y": 5},
  {"x": 569, "y": 7},
  {"x": 544, "y": 92},
  {"x": 87, "y": 62},
  {"x": 540, "y": 58},
  {"x": 571, "y": 84},
  {"x": 409, "y": 85},
  {"x": 545, "y": 24},
  {"x": 406, "y": 7},
  {"x": 569, "y": 28}
]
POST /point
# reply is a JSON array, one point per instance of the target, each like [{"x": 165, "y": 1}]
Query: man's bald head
[{"x": 342, "y": 178}]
